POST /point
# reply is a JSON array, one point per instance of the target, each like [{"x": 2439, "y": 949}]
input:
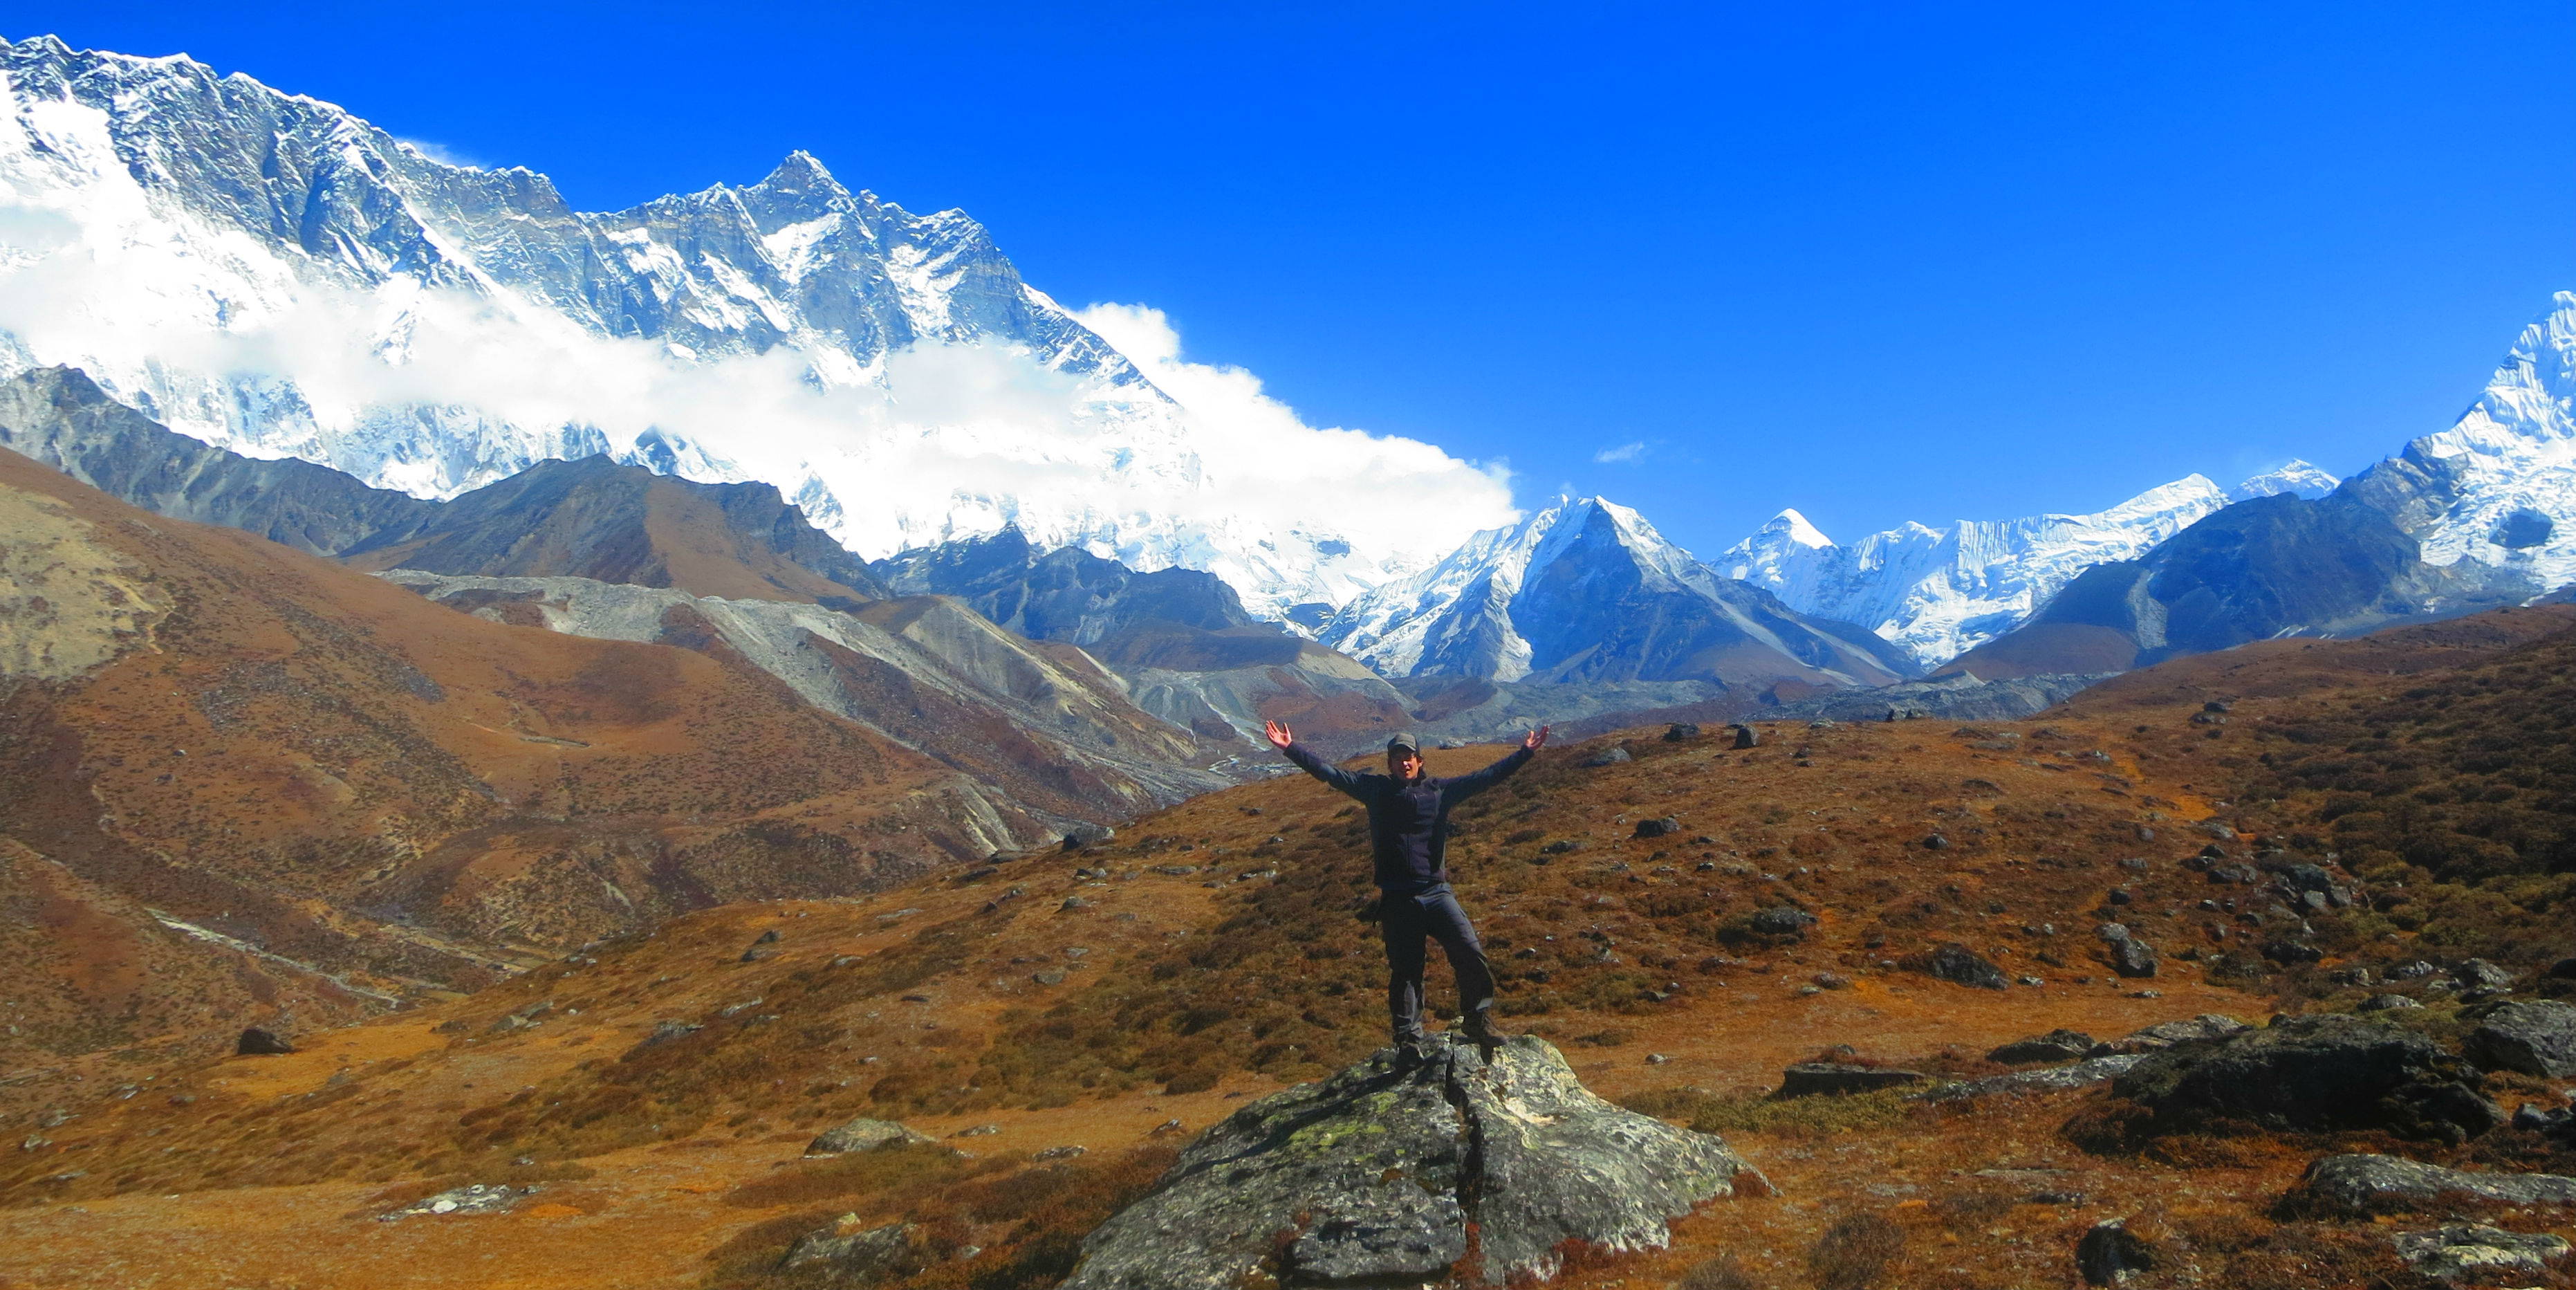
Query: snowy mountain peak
[
  {"x": 2296, "y": 477},
  {"x": 271, "y": 274},
  {"x": 1937, "y": 592}
]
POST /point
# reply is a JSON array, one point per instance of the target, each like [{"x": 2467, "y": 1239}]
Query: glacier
[{"x": 272, "y": 274}]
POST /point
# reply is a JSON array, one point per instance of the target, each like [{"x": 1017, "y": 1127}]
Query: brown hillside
[
  {"x": 309, "y": 761},
  {"x": 1222, "y": 948}
]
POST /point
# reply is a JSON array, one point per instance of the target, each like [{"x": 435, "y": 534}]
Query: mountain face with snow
[
  {"x": 1586, "y": 590},
  {"x": 1937, "y": 592},
  {"x": 2498, "y": 488},
  {"x": 270, "y": 274}
]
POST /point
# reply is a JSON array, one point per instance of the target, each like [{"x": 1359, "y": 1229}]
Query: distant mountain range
[{"x": 228, "y": 207}]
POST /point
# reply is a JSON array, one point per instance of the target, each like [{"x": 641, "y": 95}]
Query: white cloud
[
  {"x": 1262, "y": 460},
  {"x": 1626, "y": 452}
]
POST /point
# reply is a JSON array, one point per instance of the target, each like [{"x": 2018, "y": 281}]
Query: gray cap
[{"x": 1404, "y": 743}]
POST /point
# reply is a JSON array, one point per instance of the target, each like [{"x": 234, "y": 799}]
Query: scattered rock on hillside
[
  {"x": 1784, "y": 920},
  {"x": 1658, "y": 828},
  {"x": 2110, "y": 1252},
  {"x": 1372, "y": 1177},
  {"x": 1681, "y": 731},
  {"x": 2047, "y": 1079},
  {"x": 2461, "y": 1249},
  {"x": 2386, "y": 1003},
  {"x": 2133, "y": 958},
  {"x": 256, "y": 1042},
  {"x": 2166, "y": 1034},
  {"x": 1610, "y": 756},
  {"x": 1745, "y": 738},
  {"x": 480, "y": 1198},
  {"x": 2369, "y": 1184},
  {"x": 1812, "y": 1079},
  {"x": 1961, "y": 966},
  {"x": 862, "y": 1255},
  {"x": 865, "y": 1135},
  {"x": 2329, "y": 1071},
  {"x": 2536, "y": 1038},
  {"x": 2055, "y": 1046},
  {"x": 2478, "y": 974}
]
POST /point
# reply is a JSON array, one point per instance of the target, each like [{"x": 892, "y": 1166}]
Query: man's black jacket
[{"x": 1408, "y": 823}]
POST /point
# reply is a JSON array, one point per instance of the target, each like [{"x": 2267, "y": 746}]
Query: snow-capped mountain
[
  {"x": 2498, "y": 487},
  {"x": 1938, "y": 592},
  {"x": 271, "y": 274},
  {"x": 1587, "y": 590},
  {"x": 2298, "y": 478}
]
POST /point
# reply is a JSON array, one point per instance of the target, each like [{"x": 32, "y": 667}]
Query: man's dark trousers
[{"x": 1406, "y": 922}]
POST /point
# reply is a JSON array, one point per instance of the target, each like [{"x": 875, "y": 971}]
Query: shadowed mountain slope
[
  {"x": 590, "y": 518},
  {"x": 2274, "y": 566}
]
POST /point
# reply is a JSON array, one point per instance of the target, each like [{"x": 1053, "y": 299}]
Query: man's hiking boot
[
  {"x": 1411, "y": 1055},
  {"x": 1481, "y": 1032}
]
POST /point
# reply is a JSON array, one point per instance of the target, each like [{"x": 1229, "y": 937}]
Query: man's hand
[
  {"x": 1535, "y": 739},
  {"x": 1280, "y": 737}
]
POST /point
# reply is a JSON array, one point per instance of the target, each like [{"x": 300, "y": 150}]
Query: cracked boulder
[{"x": 1375, "y": 1175}]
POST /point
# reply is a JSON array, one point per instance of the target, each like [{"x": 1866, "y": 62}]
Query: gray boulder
[
  {"x": 2166, "y": 1034},
  {"x": 1810, "y": 1079},
  {"x": 861, "y": 1256},
  {"x": 2047, "y": 1079},
  {"x": 2535, "y": 1038},
  {"x": 2362, "y": 1184},
  {"x": 2110, "y": 1252},
  {"x": 2055, "y": 1046},
  {"x": 2321, "y": 1072},
  {"x": 2461, "y": 1249},
  {"x": 1962, "y": 966},
  {"x": 864, "y": 1135},
  {"x": 256, "y": 1042},
  {"x": 1610, "y": 756},
  {"x": 2134, "y": 958},
  {"x": 1783, "y": 920},
  {"x": 1373, "y": 1176},
  {"x": 478, "y": 1198}
]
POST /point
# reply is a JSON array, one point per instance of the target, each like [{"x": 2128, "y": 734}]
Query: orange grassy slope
[{"x": 290, "y": 756}]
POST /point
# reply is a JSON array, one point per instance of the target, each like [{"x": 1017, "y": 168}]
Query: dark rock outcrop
[
  {"x": 1373, "y": 1176},
  {"x": 2369, "y": 1184},
  {"x": 2047, "y": 1079},
  {"x": 1784, "y": 920},
  {"x": 1745, "y": 737},
  {"x": 2535, "y": 1038},
  {"x": 1657, "y": 828},
  {"x": 2055, "y": 1046},
  {"x": 256, "y": 1042},
  {"x": 2133, "y": 958},
  {"x": 1960, "y": 965},
  {"x": 1812, "y": 1079},
  {"x": 2320, "y": 1072},
  {"x": 2166, "y": 1034},
  {"x": 2109, "y": 1252}
]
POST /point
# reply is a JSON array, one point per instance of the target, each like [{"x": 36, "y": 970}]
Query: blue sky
[{"x": 1879, "y": 263}]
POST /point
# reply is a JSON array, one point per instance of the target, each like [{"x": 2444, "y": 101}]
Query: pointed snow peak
[
  {"x": 1794, "y": 526},
  {"x": 801, "y": 174},
  {"x": 2296, "y": 476}
]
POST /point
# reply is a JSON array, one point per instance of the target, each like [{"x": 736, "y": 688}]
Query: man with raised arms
[{"x": 1408, "y": 816}]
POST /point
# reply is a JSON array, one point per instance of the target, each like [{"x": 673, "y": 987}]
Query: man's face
[{"x": 1405, "y": 766}]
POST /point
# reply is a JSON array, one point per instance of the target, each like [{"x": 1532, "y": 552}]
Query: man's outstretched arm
[
  {"x": 1286, "y": 742},
  {"x": 1469, "y": 785}
]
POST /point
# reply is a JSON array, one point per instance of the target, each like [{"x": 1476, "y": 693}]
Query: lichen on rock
[{"x": 1375, "y": 1175}]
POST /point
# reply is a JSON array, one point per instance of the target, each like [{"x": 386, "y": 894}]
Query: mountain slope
[
  {"x": 595, "y": 518},
  {"x": 1586, "y": 590},
  {"x": 338, "y": 774},
  {"x": 2275, "y": 566}
]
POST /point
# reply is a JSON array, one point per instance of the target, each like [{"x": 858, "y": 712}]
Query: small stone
[
  {"x": 864, "y": 1135},
  {"x": 1680, "y": 731},
  {"x": 2110, "y": 1253},
  {"x": 1656, "y": 1059},
  {"x": 1074, "y": 902},
  {"x": 1745, "y": 737},
  {"x": 1658, "y": 828},
  {"x": 1936, "y": 842},
  {"x": 1049, "y": 976}
]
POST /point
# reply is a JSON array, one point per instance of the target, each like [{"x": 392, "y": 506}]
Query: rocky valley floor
[{"x": 1683, "y": 919}]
